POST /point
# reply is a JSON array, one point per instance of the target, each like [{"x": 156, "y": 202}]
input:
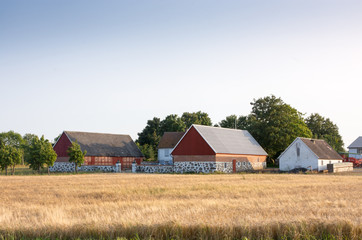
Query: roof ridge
[
  {"x": 97, "y": 133},
  {"x": 198, "y": 125}
]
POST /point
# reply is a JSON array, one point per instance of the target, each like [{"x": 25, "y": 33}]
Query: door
[{"x": 234, "y": 165}]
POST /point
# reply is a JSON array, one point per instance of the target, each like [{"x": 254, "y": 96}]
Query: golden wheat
[{"x": 181, "y": 206}]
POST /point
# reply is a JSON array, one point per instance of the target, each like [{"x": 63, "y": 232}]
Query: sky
[{"x": 109, "y": 66}]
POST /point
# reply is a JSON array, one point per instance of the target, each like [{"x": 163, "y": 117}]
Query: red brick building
[{"x": 102, "y": 149}]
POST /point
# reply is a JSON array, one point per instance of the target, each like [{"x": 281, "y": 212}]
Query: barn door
[{"x": 234, "y": 165}]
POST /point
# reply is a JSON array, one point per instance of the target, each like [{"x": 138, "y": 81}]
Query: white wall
[
  {"x": 352, "y": 150},
  {"x": 164, "y": 155},
  {"x": 290, "y": 159},
  {"x": 322, "y": 163}
]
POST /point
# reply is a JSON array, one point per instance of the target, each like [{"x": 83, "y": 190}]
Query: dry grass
[{"x": 182, "y": 206}]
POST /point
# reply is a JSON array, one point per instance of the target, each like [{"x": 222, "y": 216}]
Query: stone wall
[
  {"x": 69, "y": 167},
  {"x": 154, "y": 168},
  {"x": 200, "y": 167}
]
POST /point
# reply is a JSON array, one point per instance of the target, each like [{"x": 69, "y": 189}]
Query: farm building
[
  {"x": 166, "y": 145},
  {"x": 308, "y": 153},
  {"x": 104, "y": 151},
  {"x": 355, "y": 149},
  {"x": 208, "y": 149}
]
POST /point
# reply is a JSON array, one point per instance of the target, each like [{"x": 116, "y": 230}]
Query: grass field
[{"x": 217, "y": 206}]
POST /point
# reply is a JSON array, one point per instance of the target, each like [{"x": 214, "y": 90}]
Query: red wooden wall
[
  {"x": 193, "y": 144},
  {"x": 62, "y": 146}
]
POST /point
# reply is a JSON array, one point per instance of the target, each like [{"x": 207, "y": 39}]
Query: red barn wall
[
  {"x": 62, "y": 146},
  {"x": 192, "y": 144}
]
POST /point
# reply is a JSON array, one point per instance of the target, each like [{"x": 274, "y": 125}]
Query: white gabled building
[
  {"x": 166, "y": 145},
  {"x": 308, "y": 153},
  {"x": 355, "y": 149}
]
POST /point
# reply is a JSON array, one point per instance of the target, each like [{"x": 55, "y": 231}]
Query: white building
[
  {"x": 355, "y": 149},
  {"x": 166, "y": 145},
  {"x": 308, "y": 153}
]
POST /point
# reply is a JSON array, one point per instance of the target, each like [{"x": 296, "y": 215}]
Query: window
[
  {"x": 298, "y": 149},
  {"x": 225, "y": 165},
  {"x": 322, "y": 162},
  {"x": 167, "y": 152},
  {"x": 359, "y": 150}
]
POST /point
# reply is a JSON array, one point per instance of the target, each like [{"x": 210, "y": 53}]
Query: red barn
[
  {"x": 208, "y": 149},
  {"x": 102, "y": 149}
]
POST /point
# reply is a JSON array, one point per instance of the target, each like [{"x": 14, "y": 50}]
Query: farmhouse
[
  {"x": 355, "y": 149},
  {"x": 208, "y": 149},
  {"x": 308, "y": 153},
  {"x": 104, "y": 151},
  {"x": 166, "y": 145}
]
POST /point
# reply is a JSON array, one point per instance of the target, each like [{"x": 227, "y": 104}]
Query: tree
[
  {"x": 147, "y": 151},
  {"x": 199, "y": 117},
  {"x": 172, "y": 123},
  {"x": 76, "y": 155},
  {"x": 150, "y": 134},
  {"x": 27, "y": 141},
  {"x": 230, "y": 121},
  {"x": 9, "y": 156},
  {"x": 41, "y": 153},
  {"x": 11, "y": 138},
  {"x": 12, "y": 149},
  {"x": 275, "y": 124},
  {"x": 324, "y": 128}
]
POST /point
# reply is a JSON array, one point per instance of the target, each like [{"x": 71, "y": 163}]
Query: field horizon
[{"x": 191, "y": 206}]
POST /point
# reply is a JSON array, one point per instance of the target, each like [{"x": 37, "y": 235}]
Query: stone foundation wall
[
  {"x": 154, "y": 168},
  {"x": 200, "y": 167},
  {"x": 69, "y": 167}
]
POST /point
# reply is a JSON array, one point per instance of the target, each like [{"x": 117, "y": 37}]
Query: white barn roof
[
  {"x": 230, "y": 141},
  {"x": 356, "y": 143}
]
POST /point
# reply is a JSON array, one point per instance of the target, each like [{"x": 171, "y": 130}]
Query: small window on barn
[
  {"x": 225, "y": 165},
  {"x": 322, "y": 162},
  {"x": 167, "y": 153},
  {"x": 298, "y": 149},
  {"x": 330, "y": 162}
]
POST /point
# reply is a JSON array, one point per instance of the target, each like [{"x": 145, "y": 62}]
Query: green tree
[
  {"x": 324, "y": 128},
  {"x": 147, "y": 151},
  {"x": 275, "y": 124},
  {"x": 13, "y": 148},
  {"x": 241, "y": 122},
  {"x": 172, "y": 123},
  {"x": 151, "y": 133},
  {"x": 41, "y": 153},
  {"x": 11, "y": 138},
  {"x": 199, "y": 117},
  {"x": 27, "y": 141},
  {"x": 76, "y": 155},
  {"x": 9, "y": 157}
]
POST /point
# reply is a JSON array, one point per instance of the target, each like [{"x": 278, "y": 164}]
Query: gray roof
[
  {"x": 104, "y": 144},
  {"x": 230, "y": 141},
  {"x": 356, "y": 143},
  {"x": 321, "y": 148}
]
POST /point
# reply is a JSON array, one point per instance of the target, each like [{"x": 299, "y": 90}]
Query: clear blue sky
[{"x": 109, "y": 66}]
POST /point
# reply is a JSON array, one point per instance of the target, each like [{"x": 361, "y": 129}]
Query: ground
[{"x": 193, "y": 206}]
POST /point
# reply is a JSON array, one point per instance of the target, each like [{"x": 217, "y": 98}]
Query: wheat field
[{"x": 167, "y": 206}]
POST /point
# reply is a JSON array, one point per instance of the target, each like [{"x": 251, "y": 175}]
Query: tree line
[
  {"x": 272, "y": 122},
  {"x": 33, "y": 151}
]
